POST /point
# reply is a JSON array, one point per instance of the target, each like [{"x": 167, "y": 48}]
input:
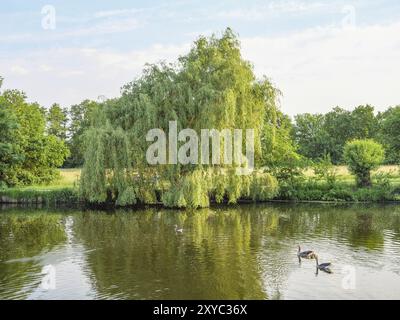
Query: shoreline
[{"x": 69, "y": 197}]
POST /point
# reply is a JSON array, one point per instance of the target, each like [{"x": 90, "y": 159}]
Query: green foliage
[
  {"x": 289, "y": 188},
  {"x": 325, "y": 170},
  {"x": 389, "y": 134},
  {"x": 199, "y": 188},
  {"x": 30, "y": 156},
  {"x": 311, "y": 190},
  {"x": 107, "y": 171},
  {"x": 57, "y": 122},
  {"x": 127, "y": 197},
  {"x": 362, "y": 156},
  {"x": 364, "y": 123},
  {"x": 310, "y": 136},
  {"x": 8, "y": 153},
  {"x": 291, "y": 172},
  {"x": 277, "y": 144},
  {"x": 290, "y": 178},
  {"x": 80, "y": 116},
  {"x": 317, "y": 135},
  {"x": 191, "y": 191},
  {"x": 54, "y": 152},
  {"x": 93, "y": 178},
  {"x": 263, "y": 187},
  {"x": 338, "y": 127}
]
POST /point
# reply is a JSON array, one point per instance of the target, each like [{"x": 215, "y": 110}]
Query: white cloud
[
  {"x": 324, "y": 67},
  {"x": 70, "y": 75},
  {"x": 294, "y": 6},
  {"x": 316, "y": 69},
  {"x": 112, "y": 13},
  {"x": 19, "y": 70},
  {"x": 97, "y": 28},
  {"x": 274, "y": 7},
  {"x": 45, "y": 68},
  {"x": 104, "y": 27}
]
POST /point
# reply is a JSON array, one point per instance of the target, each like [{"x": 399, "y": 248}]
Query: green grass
[
  {"x": 344, "y": 176},
  {"x": 385, "y": 187},
  {"x": 69, "y": 178},
  {"x": 63, "y": 190}
]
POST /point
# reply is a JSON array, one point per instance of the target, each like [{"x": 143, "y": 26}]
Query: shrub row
[{"x": 338, "y": 192}]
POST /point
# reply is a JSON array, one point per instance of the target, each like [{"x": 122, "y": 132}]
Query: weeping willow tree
[{"x": 212, "y": 87}]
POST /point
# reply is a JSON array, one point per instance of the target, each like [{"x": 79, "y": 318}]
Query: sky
[{"x": 319, "y": 53}]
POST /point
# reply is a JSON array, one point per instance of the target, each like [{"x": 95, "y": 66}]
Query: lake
[{"x": 241, "y": 252}]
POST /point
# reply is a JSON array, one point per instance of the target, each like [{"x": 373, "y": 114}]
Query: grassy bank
[
  {"x": 62, "y": 191},
  {"x": 338, "y": 192},
  {"x": 386, "y": 187},
  {"x": 343, "y": 174}
]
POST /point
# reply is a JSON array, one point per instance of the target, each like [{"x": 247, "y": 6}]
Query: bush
[
  {"x": 3, "y": 185},
  {"x": 325, "y": 170},
  {"x": 362, "y": 156}
]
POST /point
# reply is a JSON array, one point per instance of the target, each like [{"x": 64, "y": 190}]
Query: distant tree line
[{"x": 318, "y": 135}]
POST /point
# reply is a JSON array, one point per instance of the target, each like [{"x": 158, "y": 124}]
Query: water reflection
[
  {"x": 22, "y": 238},
  {"x": 246, "y": 252}
]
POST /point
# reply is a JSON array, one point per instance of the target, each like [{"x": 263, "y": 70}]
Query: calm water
[{"x": 248, "y": 252}]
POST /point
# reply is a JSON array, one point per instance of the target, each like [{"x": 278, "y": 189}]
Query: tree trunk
[{"x": 365, "y": 180}]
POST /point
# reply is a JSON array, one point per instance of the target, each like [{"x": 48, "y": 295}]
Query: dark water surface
[{"x": 245, "y": 252}]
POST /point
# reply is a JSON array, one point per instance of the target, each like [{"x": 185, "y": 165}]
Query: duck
[
  {"x": 179, "y": 230},
  {"x": 308, "y": 254},
  {"x": 323, "y": 266}
]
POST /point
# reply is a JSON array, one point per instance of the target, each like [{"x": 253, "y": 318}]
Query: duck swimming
[
  {"x": 323, "y": 266},
  {"x": 308, "y": 254},
  {"x": 179, "y": 230}
]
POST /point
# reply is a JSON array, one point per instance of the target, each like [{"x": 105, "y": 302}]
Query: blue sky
[{"x": 320, "y": 53}]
